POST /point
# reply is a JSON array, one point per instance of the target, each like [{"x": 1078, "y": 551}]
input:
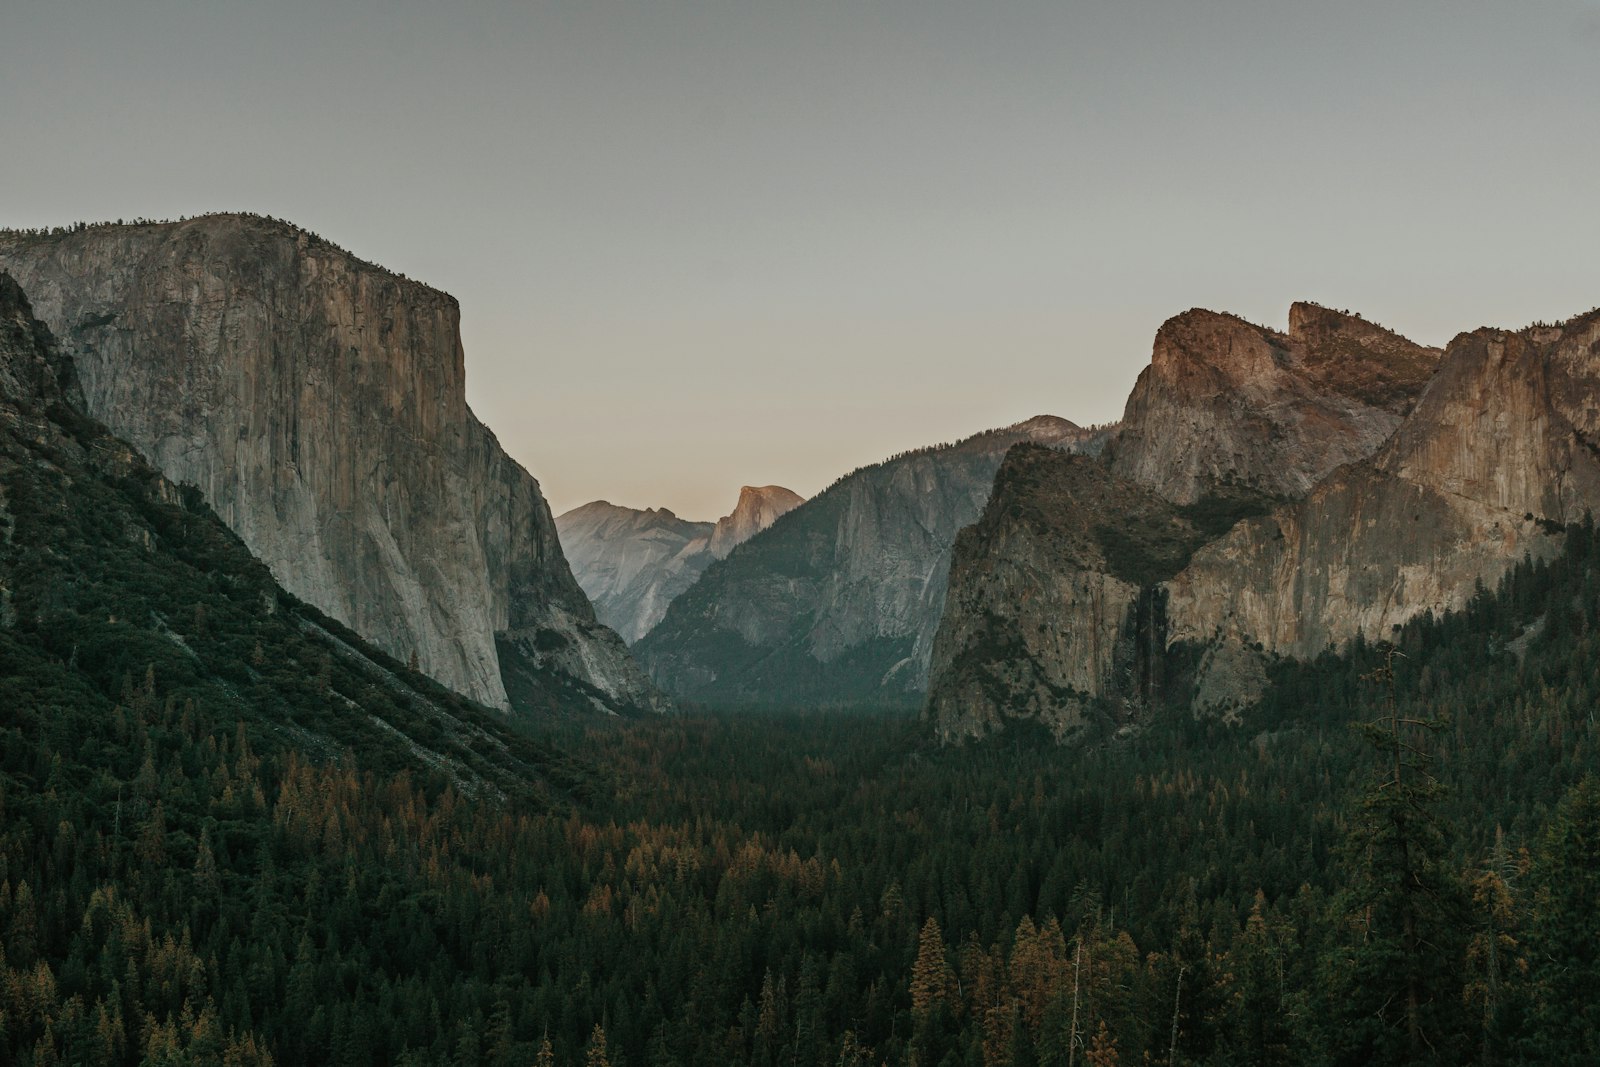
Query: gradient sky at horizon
[{"x": 700, "y": 245}]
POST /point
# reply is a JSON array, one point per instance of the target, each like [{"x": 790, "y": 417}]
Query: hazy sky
[{"x": 699, "y": 245}]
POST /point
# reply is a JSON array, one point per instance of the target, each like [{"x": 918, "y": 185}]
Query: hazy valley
[{"x": 1255, "y": 727}]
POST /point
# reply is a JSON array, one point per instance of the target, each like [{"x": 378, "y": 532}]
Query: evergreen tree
[
  {"x": 1396, "y": 974},
  {"x": 1564, "y": 932},
  {"x": 594, "y": 1054}
]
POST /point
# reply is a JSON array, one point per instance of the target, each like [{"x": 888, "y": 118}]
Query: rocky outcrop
[
  {"x": 758, "y": 508},
  {"x": 1051, "y": 601},
  {"x": 110, "y": 572},
  {"x": 33, "y": 372},
  {"x": 317, "y": 401},
  {"x": 632, "y": 563},
  {"x": 838, "y": 602},
  {"x": 1483, "y": 460},
  {"x": 1501, "y": 451},
  {"x": 1228, "y": 403}
]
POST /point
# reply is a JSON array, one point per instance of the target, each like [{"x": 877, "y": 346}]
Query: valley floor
[{"x": 827, "y": 888}]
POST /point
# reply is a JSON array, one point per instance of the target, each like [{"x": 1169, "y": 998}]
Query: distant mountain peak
[
  {"x": 1046, "y": 424},
  {"x": 759, "y": 506},
  {"x": 633, "y": 563}
]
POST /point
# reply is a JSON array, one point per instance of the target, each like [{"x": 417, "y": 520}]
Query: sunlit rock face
[
  {"x": 758, "y": 508},
  {"x": 838, "y": 602},
  {"x": 1332, "y": 481},
  {"x": 317, "y": 400},
  {"x": 1501, "y": 450},
  {"x": 1228, "y": 403}
]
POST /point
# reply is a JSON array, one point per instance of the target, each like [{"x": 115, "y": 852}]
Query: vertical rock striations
[
  {"x": 108, "y": 572},
  {"x": 1500, "y": 452},
  {"x": 318, "y": 402}
]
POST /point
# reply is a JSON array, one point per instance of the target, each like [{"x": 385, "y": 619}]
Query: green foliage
[
  {"x": 1564, "y": 931},
  {"x": 229, "y": 831}
]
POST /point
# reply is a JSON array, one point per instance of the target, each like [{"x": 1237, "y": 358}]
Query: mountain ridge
[
  {"x": 1464, "y": 463},
  {"x": 318, "y": 402},
  {"x": 109, "y": 571},
  {"x": 632, "y": 563},
  {"x": 838, "y": 600}
]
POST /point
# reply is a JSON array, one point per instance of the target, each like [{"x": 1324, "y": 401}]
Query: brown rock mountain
[
  {"x": 1226, "y": 402},
  {"x": 318, "y": 402},
  {"x": 1502, "y": 449},
  {"x": 1402, "y": 480}
]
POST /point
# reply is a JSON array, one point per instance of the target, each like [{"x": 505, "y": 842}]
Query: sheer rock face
[
  {"x": 758, "y": 508},
  {"x": 1501, "y": 450},
  {"x": 318, "y": 402},
  {"x": 1479, "y": 464},
  {"x": 839, "y": 600},
  {"x": 1043, "y": 610},
  {"x": 98, "y": 549},
  {"x": 633, "y": 563},
  {"x": 1225, "y": 402},
  {"x": 33, "y": 373}
]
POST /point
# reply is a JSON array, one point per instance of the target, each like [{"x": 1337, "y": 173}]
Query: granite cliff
[
  {"x": 317, "y": 401},
  {"x": 1332, "y": 481},
  {"x": 1227, "y": 403},
  {"x": 1501, "y": 451},
  {"x": 633, "y": 563},
  {"x": 838, "y": 601},
  {"x": 113, "y": 579},
  {"x": 1051, "y": 602}
]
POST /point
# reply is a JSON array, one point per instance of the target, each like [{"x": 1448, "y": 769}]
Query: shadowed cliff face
[
  {"x": 317, "y": 401},
  {"x": 1050, "y": 598},
  {"x": 1228, "y": 403},
  {"x": 1455, "y": 468}
]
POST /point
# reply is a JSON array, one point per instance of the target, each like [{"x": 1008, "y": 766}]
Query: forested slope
[
  {"x": 230, "y": 833},
  {"x": 182, "y": 748}
]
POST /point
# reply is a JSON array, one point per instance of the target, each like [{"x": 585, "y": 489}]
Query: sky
[{"x": 703, "y": 245}]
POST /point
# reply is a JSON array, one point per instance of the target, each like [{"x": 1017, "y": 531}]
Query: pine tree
[
  {"x": 1494, "y": 955},
  {"x": 1564, "y": 931},
  {"x": 1396, "y": 976},
  {"x": 1103, "y": 1050},
  {"x": 594, "y": 1054},
  {"x": 933, "y": 982},
  {"x": 1259, "y": 1008}
]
